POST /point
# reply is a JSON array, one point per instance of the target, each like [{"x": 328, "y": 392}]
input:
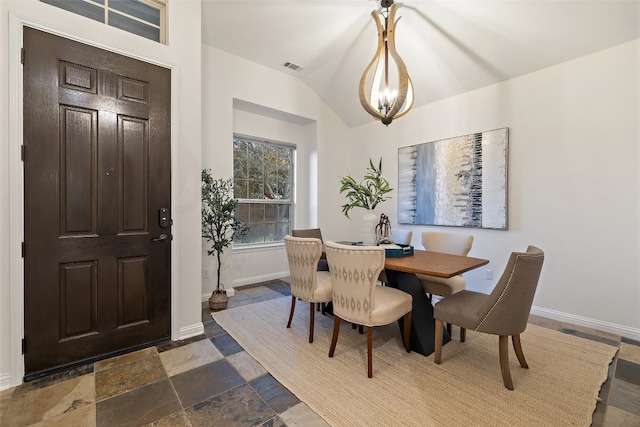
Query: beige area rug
[{"x": 408, "y": 389}]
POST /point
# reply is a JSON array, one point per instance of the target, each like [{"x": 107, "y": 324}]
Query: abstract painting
[{"x": 459, "y": 181}]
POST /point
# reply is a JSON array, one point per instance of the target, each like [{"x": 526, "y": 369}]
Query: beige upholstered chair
[
  {"x": 401, "y": 236},
  {"x": 504, "y": 312},
  {"x": 307, "y": 284},
  {"x": 316, "y": 233},
  {"x": 357, "y": 298},
  {"x": 449, "y": 243}
]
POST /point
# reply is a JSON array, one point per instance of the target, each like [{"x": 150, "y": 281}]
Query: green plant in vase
[
  {"x": 219, "y": 225},
  {"x": 367, "y": 194}
]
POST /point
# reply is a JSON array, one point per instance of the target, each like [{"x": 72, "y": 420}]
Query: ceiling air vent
[{"x": 292, "y": 66}]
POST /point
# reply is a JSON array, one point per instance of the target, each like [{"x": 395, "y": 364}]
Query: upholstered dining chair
[
  {"x": 401, "y": 236},
  {"x": 504, "y": 312},
  {"x": 316, "y": 233},
  {"x": 358, "y": 299},
  {"x": 307, "y": 283},
  {"x": 449, "y": 243}
]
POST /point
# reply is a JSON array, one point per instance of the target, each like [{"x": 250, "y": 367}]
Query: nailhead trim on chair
[{"x": 506, "y": 286}]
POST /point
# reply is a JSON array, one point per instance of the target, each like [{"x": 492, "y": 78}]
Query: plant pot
[
  {"x": 369, "y": 222},
  {"x": 219, "y": 299}
]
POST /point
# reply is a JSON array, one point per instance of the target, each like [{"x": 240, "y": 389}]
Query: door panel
[{"x": 97, "y": 172}]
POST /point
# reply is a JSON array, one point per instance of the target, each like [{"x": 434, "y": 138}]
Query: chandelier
[{"x": 385, "y": 88}]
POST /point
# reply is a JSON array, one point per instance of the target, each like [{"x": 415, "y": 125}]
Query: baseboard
[
  {"x": 623, "y": 331},
  {"x": 5, "y": 382},
  {"x": 258, "y": 279},
  {"x": 191, "y": 331}
]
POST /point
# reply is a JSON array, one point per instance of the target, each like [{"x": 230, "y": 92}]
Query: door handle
[{"x": 161, "y": 238}]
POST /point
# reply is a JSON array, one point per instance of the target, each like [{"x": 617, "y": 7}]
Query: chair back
[
  {"x": 303, "y": 254},
  {"x": 402, "y": 236},
  {"x": 354, "y": 274},
  {"x": 448, "y": 243},
  {"x": 507, "y": 309},
  {"x": 308, "y": 232}
]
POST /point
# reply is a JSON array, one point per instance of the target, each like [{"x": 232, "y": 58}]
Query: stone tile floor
[{"x": 210, "y": 381}]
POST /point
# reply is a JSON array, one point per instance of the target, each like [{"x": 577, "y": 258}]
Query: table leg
[{"x": 422, "y": 322}]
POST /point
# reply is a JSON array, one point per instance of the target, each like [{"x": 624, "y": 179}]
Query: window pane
[
  {"x": 137, "y": 9},
  {"x": 284, "y": 172},
  {"x": 242, "y": 212},
  {"x": 240, "y": 189},
  {"x": 255, "y": 163},
  {"x": 79, "y": 7},
  {"x": 282, "y": 230},
  {"x": 270, "y": 232},
  {"x": 241, "y": 240},
  {"x": 256, "y": 190},
  {"x": 135, "y": 27},
  {"x": 256, "y": 213},
  {"x": 240, "y": 164},
  {"x": 283, "y": 213},
  {"x": 256, "y": 233},
  {"x": 271, "y": 213}
]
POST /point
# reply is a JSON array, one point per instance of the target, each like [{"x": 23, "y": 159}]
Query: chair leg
[
  {"x": 369, "y": 351},
  {"x": 334, "y": 338},
  {"x": 311, "y": 320},
  {"x": 517, "y": 346},
  {"x": 407, "y": 332},
  {"x": 437, "y": 354},
  {"x": 323, "y": 308},
  {"x": 503, "y": 344},
  {"x": 449, "y": 329},
  {"x": 361, "y": 329},
  {"x": 293, "y": 307},
  {"x": 463, "y": 334}
]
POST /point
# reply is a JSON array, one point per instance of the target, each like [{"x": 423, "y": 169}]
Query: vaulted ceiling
[{"x": 449, "y": 47}]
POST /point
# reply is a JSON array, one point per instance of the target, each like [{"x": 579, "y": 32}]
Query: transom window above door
[
  {"x": 263, "y": 184},
  {"x": 146, "y": 18}
]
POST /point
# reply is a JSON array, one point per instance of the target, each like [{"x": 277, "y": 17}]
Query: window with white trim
[
  {"x": 146, "y": 18},
  {"x": 263, "y": 185}
]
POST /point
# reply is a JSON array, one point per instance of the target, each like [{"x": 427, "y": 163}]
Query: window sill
[{"x": 259, "y": 247}]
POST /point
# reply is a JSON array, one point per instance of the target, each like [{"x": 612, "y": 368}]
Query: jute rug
[{"x": 408, "y": 389}]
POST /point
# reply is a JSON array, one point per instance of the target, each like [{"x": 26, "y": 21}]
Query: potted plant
[
  {"x": 366, "y": 194},
  {"x": 219, "y": 225}
]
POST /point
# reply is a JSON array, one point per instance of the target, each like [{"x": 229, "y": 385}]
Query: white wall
[
  {"x": 273, "y": 105},
  {"x": 573, "y": 186},
  {"x": 573, "y": 167},
  {"x": 182, "y": 55}
]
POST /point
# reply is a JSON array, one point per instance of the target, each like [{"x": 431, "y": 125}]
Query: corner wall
[
  {"x": 182, "y": 55},
  {"x": 283, "y": 108},
  {"x": 573, "y": 180}
]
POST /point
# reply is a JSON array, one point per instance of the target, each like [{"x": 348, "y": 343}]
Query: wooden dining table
[
  {"x": 402, "y": 274},
  {"x": 436, "y": 264}
]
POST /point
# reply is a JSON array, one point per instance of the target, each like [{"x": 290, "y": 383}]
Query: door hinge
[
  {"x": 24, "y": 346},
  {"x": 22, "y": 152},
  {"x": 24, "y": 249},
  {"x": 22, "y": 55}
]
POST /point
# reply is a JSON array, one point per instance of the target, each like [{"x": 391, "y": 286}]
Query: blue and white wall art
[{"x": 458, "y": 181}]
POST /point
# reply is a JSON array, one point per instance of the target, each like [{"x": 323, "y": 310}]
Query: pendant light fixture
[{"x": 385, "y": 88}]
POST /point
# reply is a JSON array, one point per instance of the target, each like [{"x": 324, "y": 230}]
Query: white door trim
[{"x": 16, "y": 185}]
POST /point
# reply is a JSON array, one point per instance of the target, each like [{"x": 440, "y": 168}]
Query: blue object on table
[{"x": 395, "y": 252}]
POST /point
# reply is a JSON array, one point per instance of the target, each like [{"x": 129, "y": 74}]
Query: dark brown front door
[{"x": 96, "y": 175}]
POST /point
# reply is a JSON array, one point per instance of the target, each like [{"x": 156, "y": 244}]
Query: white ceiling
[{"x": 449, "y": 47}]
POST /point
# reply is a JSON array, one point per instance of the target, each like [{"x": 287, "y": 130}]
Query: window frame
[
  {"x": 160, "y": 5},
  {"x": 291, "y": 201}
]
